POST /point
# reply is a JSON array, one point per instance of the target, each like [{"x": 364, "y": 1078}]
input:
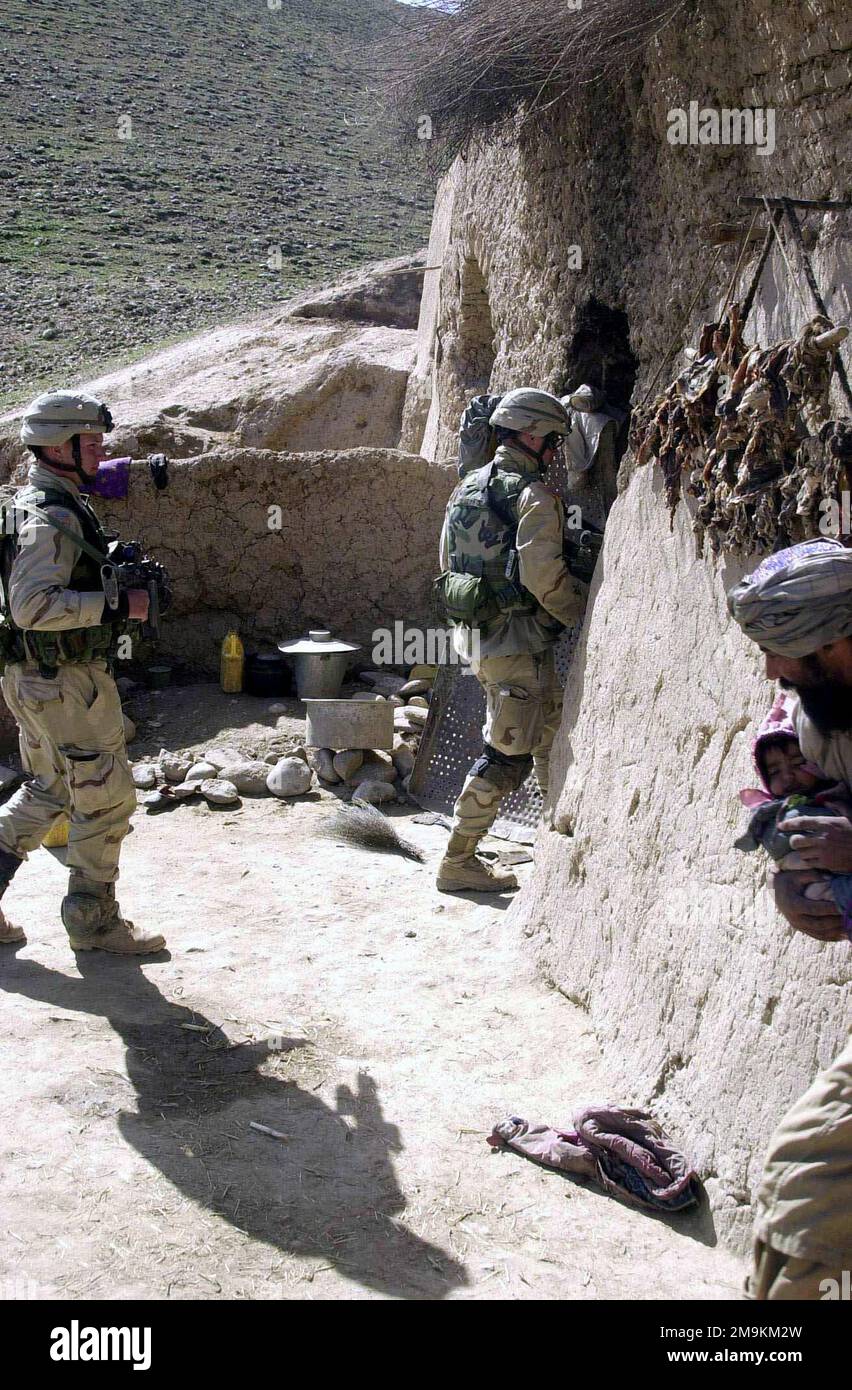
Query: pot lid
[{"x": 317, "y": 643}]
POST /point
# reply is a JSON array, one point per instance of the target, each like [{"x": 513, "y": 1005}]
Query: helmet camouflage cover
[
  {"x": 530, "y": 411},
  {"x": 56, "y": 416}
]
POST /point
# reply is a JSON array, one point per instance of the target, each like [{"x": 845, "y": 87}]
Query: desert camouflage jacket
[{"x": 41, "y": 596}]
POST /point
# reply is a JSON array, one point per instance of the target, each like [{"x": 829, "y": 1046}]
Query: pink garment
[
  {"x": 624, "y": 1150},
  {"x": 555, "y": 1148},
  {"x": 778, "y": 722}
]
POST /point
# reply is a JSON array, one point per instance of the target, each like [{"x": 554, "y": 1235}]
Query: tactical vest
[
  {"x": 482, "y": 528},
  {"x": 52, "y": 649}
]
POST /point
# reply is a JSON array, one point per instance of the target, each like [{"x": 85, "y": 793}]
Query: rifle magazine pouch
[{"x": 464, "y": 600}]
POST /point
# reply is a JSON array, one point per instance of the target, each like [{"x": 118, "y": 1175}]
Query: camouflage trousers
[
  {"x": 72, "y": 741},
  {"x": 523, "y": 700},
  {"x": 803, "y": 1224}
]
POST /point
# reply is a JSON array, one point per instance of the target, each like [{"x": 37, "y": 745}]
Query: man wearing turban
[{"x": 797, "y": 606}]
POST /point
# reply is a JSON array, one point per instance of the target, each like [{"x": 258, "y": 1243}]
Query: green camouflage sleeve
[
  {"x": 38, "y": 594},
  {"x": 542, "y": 566}
]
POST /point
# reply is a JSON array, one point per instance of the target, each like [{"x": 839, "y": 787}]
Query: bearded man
[{"x": 797, "y": 607}]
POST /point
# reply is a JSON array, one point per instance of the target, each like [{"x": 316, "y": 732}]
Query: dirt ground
[{"x": 332, "y": 995}]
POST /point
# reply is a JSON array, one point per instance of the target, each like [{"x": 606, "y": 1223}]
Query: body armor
[
  {"x": 51, "y": 649},
  {"x": 482, "y": 525}
]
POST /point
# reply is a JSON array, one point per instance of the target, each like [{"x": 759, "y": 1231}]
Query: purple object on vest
[{"x": 112, "y": 479}]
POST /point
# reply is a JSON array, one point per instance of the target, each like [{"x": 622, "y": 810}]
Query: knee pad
[{"x": 502, "y": 770}]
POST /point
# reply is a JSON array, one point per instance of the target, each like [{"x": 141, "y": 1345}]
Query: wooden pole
[
  {"x": 796, "y": 229},
  {"x": 811, "y": 204}
]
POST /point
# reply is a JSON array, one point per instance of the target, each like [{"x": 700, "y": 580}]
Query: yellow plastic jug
[
  {"x": 231, "y": 665},
  {"x": 57, "y": 835}
]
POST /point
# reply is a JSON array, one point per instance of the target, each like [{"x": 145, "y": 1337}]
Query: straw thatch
[{"x": 468, "y": 64}]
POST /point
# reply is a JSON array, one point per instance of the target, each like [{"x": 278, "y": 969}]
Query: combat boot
[
  {"x": 9, "y": 866},
  {"x": 462, "y": 871},
  {"x": 9, "y": 935},
  {"x": 93, "y": 920}
]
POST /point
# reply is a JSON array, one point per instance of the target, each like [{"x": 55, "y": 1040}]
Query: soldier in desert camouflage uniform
[
  {"x": 504, "y": 528},
  {"x": 58, "y": 638}
]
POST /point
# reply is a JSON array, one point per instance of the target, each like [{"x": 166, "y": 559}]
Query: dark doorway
[
  {"x": 476, "y": 329},
  {"x": 600, "y": 356},
  {"x": 600, "y": 353}
]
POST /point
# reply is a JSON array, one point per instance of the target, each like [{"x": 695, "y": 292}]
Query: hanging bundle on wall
[{"x": 740, "y": 429}]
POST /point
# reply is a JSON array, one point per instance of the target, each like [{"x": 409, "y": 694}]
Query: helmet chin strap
[
  {"x": 531, "y": 453},
  {"x": 77, "y": 466}
]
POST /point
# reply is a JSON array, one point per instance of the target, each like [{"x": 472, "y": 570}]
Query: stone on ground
[
  {"x": 289, "y": 777},
  {"x": 219, "y": 791},
  {"x": 199, "y": 772},
  {"x": 373, "y": 769},
  {"x": 403, "y": 759},
  {"x": 222, "y": 757},
  {"x": 347, "y": 762},
  {"x": 375, "y": 793},
  {"x": 174, "y": 767},
  {"x": 249, "y": 776},
  {"x": 321, "y": 760}
]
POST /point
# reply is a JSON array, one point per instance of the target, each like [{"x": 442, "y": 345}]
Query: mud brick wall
[
  {"x": 356, "y": 549},
  {"x": 708, "y": 1007}
]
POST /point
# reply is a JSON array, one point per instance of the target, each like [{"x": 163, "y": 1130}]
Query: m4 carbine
[
  {"x": 581, "y": 546},
  {"x": 128, "y": 567}
]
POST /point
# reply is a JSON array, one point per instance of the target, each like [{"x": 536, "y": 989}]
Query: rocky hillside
[{"x": 166, "y": 167}]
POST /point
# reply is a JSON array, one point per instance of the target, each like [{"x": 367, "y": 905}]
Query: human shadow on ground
[{"x": 328, "y": 1191}]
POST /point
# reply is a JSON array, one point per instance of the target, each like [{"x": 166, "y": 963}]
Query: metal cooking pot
[{"x": 319, "y": 664}]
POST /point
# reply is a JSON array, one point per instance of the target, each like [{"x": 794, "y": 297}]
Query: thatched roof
[{"x": 468, "y": 64}]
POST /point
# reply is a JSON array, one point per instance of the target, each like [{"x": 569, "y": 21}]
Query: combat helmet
[
  {"x": 57, "y": 416},
  {"x": 527, "y": 410}
]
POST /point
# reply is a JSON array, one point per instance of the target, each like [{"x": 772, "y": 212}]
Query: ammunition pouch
[
  {"x": 464, "y": 600},
  {"x": 50, "y": 650},
  {"x": 473, "y": 600},
  {"x": 53, "y": 649}
]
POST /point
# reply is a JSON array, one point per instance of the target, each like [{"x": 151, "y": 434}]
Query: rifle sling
[{"x": 89, "y": 550}]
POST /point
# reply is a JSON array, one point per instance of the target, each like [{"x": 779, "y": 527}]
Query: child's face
[{"x": 785, "y": 770}]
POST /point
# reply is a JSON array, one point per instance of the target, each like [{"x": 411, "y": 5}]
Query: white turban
[{"x": 797, "y": 600}]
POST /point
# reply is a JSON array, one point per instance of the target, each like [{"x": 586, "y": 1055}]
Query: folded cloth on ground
[{"x": 624, "y": 1150}]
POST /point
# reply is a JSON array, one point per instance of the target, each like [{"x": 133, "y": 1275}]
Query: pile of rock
[
  {"x": 373, "y": 775},
  {"x": 221, "y": 776}
]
